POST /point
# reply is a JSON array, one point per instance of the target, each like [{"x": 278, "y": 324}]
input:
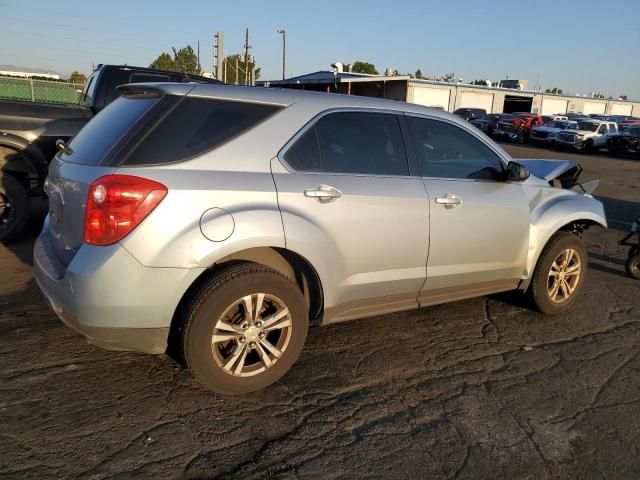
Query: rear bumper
[{"x": 109, "y": 297}]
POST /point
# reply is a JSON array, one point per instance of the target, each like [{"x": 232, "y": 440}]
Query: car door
[
  {"x": 349, "y": 199},
  {"x": 479, "y": 228}
]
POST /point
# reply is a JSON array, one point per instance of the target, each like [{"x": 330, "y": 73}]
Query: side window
[
  {"x": 362, "y": 143},
  {"x": 304, "y": 155},
  {"x": 446, "y": 151},
  {"x": 603, "y": 128},
  {"x": 194, "y": 126}
]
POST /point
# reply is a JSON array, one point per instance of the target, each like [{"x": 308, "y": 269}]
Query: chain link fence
[{"x": 46, "y": 91}]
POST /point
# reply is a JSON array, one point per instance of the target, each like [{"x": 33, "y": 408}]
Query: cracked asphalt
[{"x": 483, "y": 388}]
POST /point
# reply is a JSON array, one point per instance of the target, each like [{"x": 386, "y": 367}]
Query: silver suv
[{"x": 218, "y": 222}]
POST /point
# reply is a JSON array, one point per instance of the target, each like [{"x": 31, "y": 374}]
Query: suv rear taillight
[{"x": 116, "y": 204}]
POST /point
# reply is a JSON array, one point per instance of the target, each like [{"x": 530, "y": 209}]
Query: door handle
[
  {"x": 324, "y": 193},
  {"x": 449, "y": 200}
]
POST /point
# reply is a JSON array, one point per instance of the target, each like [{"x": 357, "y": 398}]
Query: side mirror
[{"x": 516, "y": 172}]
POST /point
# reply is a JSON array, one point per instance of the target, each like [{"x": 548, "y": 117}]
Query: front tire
[
  {"x": 15, "y": 208},
  {"x": 588, "y": 147},
  {"x": 559, "y": 275},
  {"x": 244, "y": 328}
]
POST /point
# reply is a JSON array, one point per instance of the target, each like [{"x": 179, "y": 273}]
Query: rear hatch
[{"x": 94, "y": 152}]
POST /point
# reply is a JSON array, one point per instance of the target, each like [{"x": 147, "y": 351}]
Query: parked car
[
  {"x": 546, "y": 133},
  {"x": 222, "y": 220},
  {"x": 622, "y": 126},
  {"x": 29, "y": 130},
  {"x": 470, "y": 113},
  {"x": 588, "y": 136},
  {"x": 625, "y": 144},
  {"x": 488, "y": 123},
  {"x": 518, "y": 127},
  {"x": 576, "y": 115}
]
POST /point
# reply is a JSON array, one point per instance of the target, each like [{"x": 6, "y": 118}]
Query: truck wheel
[
  {"x": 243, "y": 329},
  {"x": 559, "y": 274},
  {"x": 633, "y": 263},
  {"x": 15, "y": 208},
  {"x": 588, "y": 146}
]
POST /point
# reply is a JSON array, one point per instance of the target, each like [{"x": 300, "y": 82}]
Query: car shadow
[
  {"x": 23, "y": 249},
  {"x": 620, "y": 213}
]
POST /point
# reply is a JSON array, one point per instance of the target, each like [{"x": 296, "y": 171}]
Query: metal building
[{"x": 450, "y": 96}]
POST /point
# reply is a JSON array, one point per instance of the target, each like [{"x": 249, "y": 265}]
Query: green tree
[
  {"x": 243, "y": 69},
  {"x": 77, "y": 78},
  {"x": 418, "y": 74},
  {"x": 163, "y": 62},
  {"x": 554, "y": 90},
  {"x": 364, "y": 67},
  {"x": 184, "y": 60}
]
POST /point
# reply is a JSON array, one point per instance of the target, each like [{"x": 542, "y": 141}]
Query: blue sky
[{"x": 580, "y": 46}]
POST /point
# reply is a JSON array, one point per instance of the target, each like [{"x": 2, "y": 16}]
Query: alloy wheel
[
  {"x": 251, "y": 335},
  {"x": 564, "y": 275}
]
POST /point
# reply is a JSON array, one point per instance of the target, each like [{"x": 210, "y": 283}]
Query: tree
[
  {"x": 448, "y": 77},
  {"x": 418, "y": 74},
  {"x": 77, "y": 78},
  {"x": 243, "y": 69},
  {"x": 364, "y": 67},
  {"x": 480, "y": 82},
  {"x": 184, "y": 60},
  {"x": 554, "y": 90}
]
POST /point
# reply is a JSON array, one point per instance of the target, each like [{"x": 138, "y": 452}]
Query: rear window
[
  {"x": 193, "y": 126},
  {"x": 106, "y": 129}
]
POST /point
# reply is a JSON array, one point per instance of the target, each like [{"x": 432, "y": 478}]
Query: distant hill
[{"x": 16, "y": 68}]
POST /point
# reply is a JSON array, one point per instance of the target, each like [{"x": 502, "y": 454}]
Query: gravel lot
[{"x": 483, "y": 388}]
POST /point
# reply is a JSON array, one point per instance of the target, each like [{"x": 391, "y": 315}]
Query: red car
[{"x": 517, "y": 127}]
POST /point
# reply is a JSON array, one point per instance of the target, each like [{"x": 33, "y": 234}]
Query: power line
[
  {"x": 103, "y": 20},
  {"x": 78, "y": 39}
]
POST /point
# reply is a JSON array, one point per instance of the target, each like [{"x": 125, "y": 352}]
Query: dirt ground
[{"x": 483, "y": 388}]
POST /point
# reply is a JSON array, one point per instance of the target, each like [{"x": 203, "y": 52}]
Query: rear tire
[
  {"x": 15, "y": 208},
  {"x": 555, "y": 285},
  {"x": 233, "y": 345}
]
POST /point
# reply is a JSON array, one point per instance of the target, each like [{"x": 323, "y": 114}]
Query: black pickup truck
[{"x": 29, "y": 131}]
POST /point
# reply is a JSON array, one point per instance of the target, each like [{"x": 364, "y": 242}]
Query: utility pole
[
  {"x": 198, "y": 53},
  {"x": 284, "y": 51},
  {"x": 246, "y": 56},
  {"x": 218, "y": 57}
]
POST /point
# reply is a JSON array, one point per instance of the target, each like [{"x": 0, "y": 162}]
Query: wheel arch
[
  {"x": 27, "y": 163},
  {"x": 291, "y": 264},
  {"x": 576, "y": 225}
]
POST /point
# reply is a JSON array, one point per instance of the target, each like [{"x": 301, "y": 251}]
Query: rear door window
[
  {"x": 193, "y": 126},
  {"x": 362, "y": 143}
]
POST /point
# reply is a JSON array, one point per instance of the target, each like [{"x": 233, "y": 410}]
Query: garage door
[
  {"x": 553, "y": 105},
  {"x": 620, "y": 109},
  {"x": 594, "y": 107},
  {"x": 432, "y": 97},
  {"x": 477, "y": 100}
]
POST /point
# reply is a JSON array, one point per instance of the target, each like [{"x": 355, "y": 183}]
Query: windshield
[
  {"x": 558, "y": 124},
  {"x": 590, "y": 126},
  {"x": 634, "y": 130},
  {"x": 572, "y": 126}
]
